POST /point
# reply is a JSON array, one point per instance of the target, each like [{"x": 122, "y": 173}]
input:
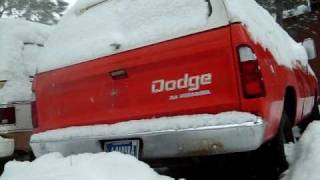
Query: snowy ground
[
  {"x": 7, "y": 147},
  {"x": 112, "y": 166},
  {"x": 305, "y": 156}
]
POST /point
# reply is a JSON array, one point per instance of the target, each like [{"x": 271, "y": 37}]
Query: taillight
[
  {"x": 34, "y": 111},
  {"x": 251, "y": 77},
  {"x": 7, "y": 115}
]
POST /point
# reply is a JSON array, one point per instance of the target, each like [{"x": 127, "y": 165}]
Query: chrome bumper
[{"x": 208, "y": 140}]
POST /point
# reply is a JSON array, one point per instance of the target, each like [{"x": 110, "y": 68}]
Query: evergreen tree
[
  {"x": 293, "y": 23},
  {"x": 43, "y": 11}
]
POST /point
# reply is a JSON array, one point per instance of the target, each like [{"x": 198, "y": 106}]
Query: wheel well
[{"x": 290, "y": 104}]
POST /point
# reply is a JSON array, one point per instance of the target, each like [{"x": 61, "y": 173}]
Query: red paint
[{"x": 88, "y": 94}]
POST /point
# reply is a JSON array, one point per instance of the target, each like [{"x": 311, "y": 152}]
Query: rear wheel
[
  {"x": 315, "y": 115},
  {"x": 270, "y": 158}
]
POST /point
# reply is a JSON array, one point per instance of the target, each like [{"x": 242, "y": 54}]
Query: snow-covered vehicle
[
  {"x": 171, "y": 79},
  {"x": 20, "y": 41}
]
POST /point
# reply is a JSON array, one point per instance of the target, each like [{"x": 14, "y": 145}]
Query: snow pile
[
  {"x": 96, "y": 28},
  {"x": 102, "y": 166},
  {"x": 306, "y": 154},
  {"x": 6, "y": 147},
  {"x": 14, "y": 67},
  {"x": 147, "y": 125},
  {"x": 302, "y": 9},
  {"x": 265, "y": 31}
]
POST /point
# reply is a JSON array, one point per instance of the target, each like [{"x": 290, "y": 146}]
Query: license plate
[{"x": 131, "y": 147}]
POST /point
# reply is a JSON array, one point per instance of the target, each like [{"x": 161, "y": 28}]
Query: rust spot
[{"x": 205, "y": 148}]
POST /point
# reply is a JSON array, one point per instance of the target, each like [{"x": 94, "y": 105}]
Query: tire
[
  {"x": 270, "y": 159},
  {"x": 315, "y": 113},
  {"x": 315, "y": 116}
]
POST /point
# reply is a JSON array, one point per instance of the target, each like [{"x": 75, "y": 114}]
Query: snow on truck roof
[
  {"x": 97, "y": 28},
  {"x": 19, "y": 44}
]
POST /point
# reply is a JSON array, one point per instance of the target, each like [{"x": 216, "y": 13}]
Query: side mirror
[{"x": 310, "y": 47}]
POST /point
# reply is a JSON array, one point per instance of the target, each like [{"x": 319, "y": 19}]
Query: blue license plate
[{"x": 131, "y": 147}]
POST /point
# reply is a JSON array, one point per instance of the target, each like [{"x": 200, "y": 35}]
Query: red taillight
[
  {"x": 252, "y": 81},
  {"x": 7, "y": 115},
  {"x": 34, "y": 112}
]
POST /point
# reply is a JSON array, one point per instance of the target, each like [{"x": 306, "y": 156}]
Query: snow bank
[
  {"x": 265, "y": 31},
  {"x": 14, "y": 33},
  {"x": 6, "y": 147},
  {"x": 102, "y": 166},
  {"x": 15, "y": 65},
  {"x": 147, "y": 125},
  {"x": 96, "y": 28},
  {"x": 306, "y": 154}
]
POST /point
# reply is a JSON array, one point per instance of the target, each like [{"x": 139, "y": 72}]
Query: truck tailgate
[{"x": 189, "y": 75}]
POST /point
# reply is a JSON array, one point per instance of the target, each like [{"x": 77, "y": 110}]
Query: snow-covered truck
[
  {"x": 172, "y": 79},
  {"x": 20, "y": 41}
]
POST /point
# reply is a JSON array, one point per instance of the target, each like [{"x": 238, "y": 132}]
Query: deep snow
[
  {"x": 14, "y": 33},
  {"x": 305, "y": 163},
  {"x": 102, "y": 166},
  {"x": 97, "y": 28},
  {"x": 17, "y": 60},
  {"x": 6, "y": 147}
]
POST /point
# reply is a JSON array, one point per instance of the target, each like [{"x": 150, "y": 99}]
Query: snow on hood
[
  {"x": 264, "y": 30},
  {"x": 96, "y": 28},
  {"x": 15, "y": 65},
  {"x": 306, "y": 154},
  {"x": 102, "y": 166}
]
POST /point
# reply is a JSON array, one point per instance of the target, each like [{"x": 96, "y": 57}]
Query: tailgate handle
[{"x": 119, "y": 74}]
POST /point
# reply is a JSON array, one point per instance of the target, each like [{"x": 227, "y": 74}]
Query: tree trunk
[{"x": 279, "y": 11}]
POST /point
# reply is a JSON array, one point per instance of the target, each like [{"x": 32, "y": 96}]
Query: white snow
[
  {"x": 306, "y": 163},
  {"x": 147, "y": 125},
  {"x": 92, "y": 29},
  {"x": 264, "y": 30},
  {"x": 102, "y": 166},
  {"x": 97, "y": 28},
  {"x": 15, "y": 65},
  {"x": 6, "y": 147},
  {"x": 297, "y": 11}
]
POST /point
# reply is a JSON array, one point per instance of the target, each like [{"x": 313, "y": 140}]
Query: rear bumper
[{"x": 206, "y": 140}]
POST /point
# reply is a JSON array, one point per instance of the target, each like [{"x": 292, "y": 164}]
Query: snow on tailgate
[
  {"x": 96, "y": 28},
  {"x": 147, "y": 125},
  {"x": 102, "y": 166}
]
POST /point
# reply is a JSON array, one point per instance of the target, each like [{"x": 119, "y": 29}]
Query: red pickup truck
[{"x": 207, "y": 72}]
